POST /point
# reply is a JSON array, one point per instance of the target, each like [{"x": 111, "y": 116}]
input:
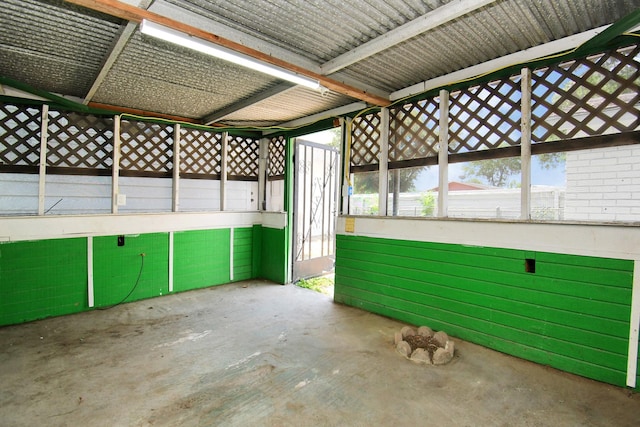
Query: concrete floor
[{"x": 258, "y": 354}]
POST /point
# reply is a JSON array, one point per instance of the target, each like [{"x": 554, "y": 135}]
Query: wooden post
[
  {"x": 223, "y": 169},
  {"x": 116, "y": 165},
  {"x": 383, "y": 178},
  {"x": 525, "y": 145},
  {"x": 175, "y": 204},
  {"x": 42, "y": 170},
  {"x": 443, "y": 156}
]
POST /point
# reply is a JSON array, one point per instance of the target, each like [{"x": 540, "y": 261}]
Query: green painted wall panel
[
  {"x": 242, "y": 253},
  {"x": 116, "y": 269},
  {"x": 474, "y": 280},
  {"x": 43, "y": 278},
  {"x": 503, "y": 345},
  {"x": 256, "y": 261},
  {"x": 572, "y": 313},
  {"x": 201, "y": 258},
  {"x": 582, "y": 345},
  {"x": 534, "y": 318},
  {"x": 507, "y": 268},
  {"x": 274, "y": 261}
]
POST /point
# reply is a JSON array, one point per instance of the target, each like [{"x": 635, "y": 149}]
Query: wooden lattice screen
[
  {"x": 485, "y": 117},
  {"x": 414, "y": 129},
  {"x": 365, "y": 145},
  {"x": 243, "y": 157},
  {"x": 277, "y": 158},
  {"x": 79, "y": 143},
  {"x": 200, "y": 154},
  {"x": 597, "y": 95},
  {"x": 146, "y": 149},
  {"x": 19, "y": 138}
]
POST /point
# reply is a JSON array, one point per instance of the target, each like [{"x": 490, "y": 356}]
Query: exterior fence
[{"x": 547, "y": 203}]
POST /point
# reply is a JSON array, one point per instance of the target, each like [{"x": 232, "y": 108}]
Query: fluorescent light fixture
[{"x": 173, "y": 36}]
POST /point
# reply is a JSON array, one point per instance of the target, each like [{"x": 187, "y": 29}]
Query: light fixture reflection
[{"x": 176, "y": 37}]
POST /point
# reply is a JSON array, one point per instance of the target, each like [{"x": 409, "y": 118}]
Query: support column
[
  {"x": 525, "y": 146},
  {"x": 263, "y": 158},
  {"x": 223, "y": 170},
  {"x": 175, "y": 204},
  {"x": 115, "y": 170},
  {"x": 90, "y": 292},
  {"x": 396, "y": 191},
  {"x": 42, "y": 171},
  {"x": 383, "y": 158},
  {"x": 171, "y": 242},
  {"x": 347, "y": 178},
  {"x": 443, "y": 156},
  {"x": 634, "y": 327}
]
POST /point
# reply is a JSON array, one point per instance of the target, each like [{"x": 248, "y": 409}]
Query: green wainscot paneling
[
  {"x": 572, "y": 313},
  {"x": 243, "y": 253},
  {"x": 273, "y": 255},
  {"x": 201, "y": 258},
  {"x": 43, "y": 278},
  {"x": 122, "y": 274}
]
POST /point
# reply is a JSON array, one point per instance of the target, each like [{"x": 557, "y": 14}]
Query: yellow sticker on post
[{"x": 349, "y": 225}]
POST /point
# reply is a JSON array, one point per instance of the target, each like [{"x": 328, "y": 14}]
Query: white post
[
  {"x": 171, "y": 261},
  {"x": 525, "y": 145},
  {"x": 634, "y": 326},
  {"x": 42, "y": 171},
  {"x": 263, "y": 158},
  {"x": 90, "y": 294},
  {"x": 223, "y": 169},
  {"x": 231, "y": 232},
  {"x": 116, "y": 165},
  {"x": 383, "y": 159},
  {"x": 175, "y": 197},
  {"x": 443, "y": 156},
  {"x": 347, "y": 178}
]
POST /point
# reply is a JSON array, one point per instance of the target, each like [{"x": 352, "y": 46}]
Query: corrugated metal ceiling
[
  {"x": 52, "y": 48},
  {"x": 61, "y": 48},
  {"x": 319, "y": 30},
  {"x": 278, "y": 107},
  {"x": 491, "y": 32}
]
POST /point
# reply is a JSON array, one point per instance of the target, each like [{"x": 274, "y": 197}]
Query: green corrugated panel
[
  {"x": 274, "y": 254},
  {"x": 116, "y": 268},
  {"x": 242, "y": 253},
  {"x": 42, "y": 278},
  {"x": 200, "y": 258},
  {"x": 256, "y": 259},
  {"x": 572, "y": 313}
]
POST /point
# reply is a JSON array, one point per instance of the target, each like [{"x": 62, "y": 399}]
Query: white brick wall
[{"x": 603, "y": 184}]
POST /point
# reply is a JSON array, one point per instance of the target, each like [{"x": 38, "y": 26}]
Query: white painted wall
[
  {"x": 18, "y": 194},
  {"x": 603, "y": 184},
  {"x": 199, "y": 195},
  {"x": 80, "y": 194},
  {"x": 620, "y": 241},
  {"x": 275, "y": 196},
  {"x": 19, "y": 228},
  {"x": 242, "y": 195},
  {"x": 146, "y": 194},
  {"x": 77, "y": 194}
]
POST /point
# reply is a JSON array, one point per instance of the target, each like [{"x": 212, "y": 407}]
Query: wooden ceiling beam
[
  {"x": 142, "y": 113},
  {"x": 136, "y": 14}
]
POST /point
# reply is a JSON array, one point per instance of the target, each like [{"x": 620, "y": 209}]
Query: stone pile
[{"x": 424, "y": 345}]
